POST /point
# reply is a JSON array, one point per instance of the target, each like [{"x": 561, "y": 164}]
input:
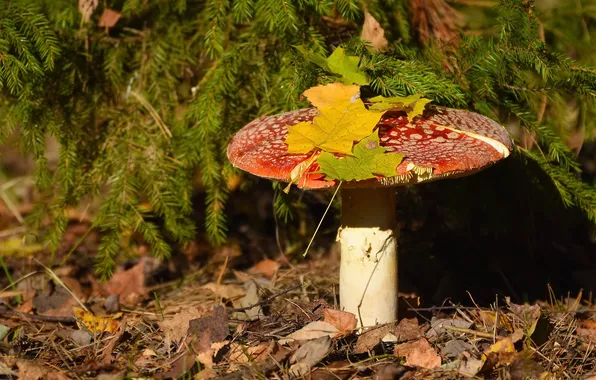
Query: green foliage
[{"x": 137, "y": 107}]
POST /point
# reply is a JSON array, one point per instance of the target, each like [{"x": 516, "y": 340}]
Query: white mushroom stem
[{"x": 368, "y": 237}]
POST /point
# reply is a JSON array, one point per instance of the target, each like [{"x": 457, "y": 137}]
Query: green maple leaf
[
  {"x": 414, "y": 104},
  {"x": 368, "y": 161},
  {"x": 338, "y": 63},
  {"x": 346, "y": 66}
]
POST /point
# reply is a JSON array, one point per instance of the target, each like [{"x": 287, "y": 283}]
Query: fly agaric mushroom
[{"x": 444, "y": 143}]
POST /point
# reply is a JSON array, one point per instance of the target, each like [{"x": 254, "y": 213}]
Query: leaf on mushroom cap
[{"x": 443, "y": 143}]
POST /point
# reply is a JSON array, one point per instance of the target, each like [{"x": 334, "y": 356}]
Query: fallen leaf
[
  {"x": 390, "y": 371},
  {"x": 95, "y": 324},
  {"x": 587, "y": 335},
  {"x": 57, "y": 376},
  {"x": 368, "y": 161},
  {"x": 371, "y": 337},
  {"x": 176, "y": 327},
  {"x": 109, "y": 18},
  {"x": 502, "y": 352},
  {"x": 437, "y": 326},
  {"x": 328, "y": 95},
  {"x": 488, "y": 318},
  {"x": 5, "y": 370},
  {"x": 373, "y": 33},
  {"x": 112, "y": 303},
  {"x": 4, "y": 330},
  {"x": 470, "y": 366},
  {"x": 309, "y": 354},
  {"x": 342, "y": 320},
  {"x": 414, "y": 105},
  {"x": 313, "y": 330},
  {"x": 29, "y": 370},
  {"x": 86, "y": 8},
  {"x": 129, "y": 284},
  {"x": 526, "y": 368},
  {"x": 418, "y": 354},
  {"x": 213, "y": 328},
  {"x": 211, "y": 333},
  {"x": 118, "y": 375},
  {"x": 242, "y": 354},
  {"x": 528, "y": 315},
  {"x": 250, "y": 298},
  {"x": 267, "y": 268},
  {"x": 334, "y": 129},
  {"x": 229, "y": 292},
  {"x": 78, "y": 337},
  {"x": 408, "y": 329},
  {"x": 455, "y": 348}
]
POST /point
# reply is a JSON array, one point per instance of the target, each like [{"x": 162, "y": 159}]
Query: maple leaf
[
  {"x": 346, "y": 66},
  {"x": 334, "y": 130},
  {"x": 369, "y": 160},
  {"x": 338, "y": 63},
  {"x": 413, "y": 104},
  {"x": 315, "y": 58},
  {"x": 329, "y": 94}
]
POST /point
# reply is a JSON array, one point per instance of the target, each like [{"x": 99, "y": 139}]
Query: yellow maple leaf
[
  {"x": 334, "y": 130},
  {"x": 327, "y": 95},
  {"x": 95, "y": 324}
]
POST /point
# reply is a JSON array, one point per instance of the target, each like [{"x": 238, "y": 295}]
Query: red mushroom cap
[{"x": 443, "y": 143}]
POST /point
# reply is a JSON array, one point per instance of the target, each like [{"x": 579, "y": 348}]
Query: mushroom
[{"x": 443, "y": 143}]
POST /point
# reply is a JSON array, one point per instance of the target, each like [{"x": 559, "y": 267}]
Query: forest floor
[{"x": 213, "y": 313}]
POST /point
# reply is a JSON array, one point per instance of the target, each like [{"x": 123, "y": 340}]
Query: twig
[
  {"x": 439, "y": 308},
  {"x": 472, "y": 332},
  {"x": 266, "y": 300},
  {"x": 40, "y": 318}
]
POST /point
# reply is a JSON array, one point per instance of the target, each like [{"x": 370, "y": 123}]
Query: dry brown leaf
[
  {"x": 57, "y": 376},
  {"x": 242, "y": 354},
  {"x": 523, "y": 369},
  {"x": 309, "y": 354},
  {"x": 587, "y": 324},
  {"x": 229, "y": 292},
  {"x": 109, "y": 18},
  {"x": 313, "y": 330},
  {"x": 527, "y": 315},
  {"x": 175, "y": 328},
  {"x": 342, "y": 320},
  {"x": 418, "y": 354},
  {"x": 374, "y": 33},
  {"x": 129, "y": 284},
  {"x": 250, "y": 298},
  {"x": 586, "y": 335},
  {"x": 78, "y": 337},
  {"x": 408, "y": 329},
  {"x": 470, "y": 366},
  {"x": 209, "y": 331},
  {"x": 29, "y": 370},
  {"x": 390, "y": 371},
  {"x": 267, "y": 268},
  {"x": 370, "y": 338},
  {"x": 437, "y": 326},
  {"x": 86, "y": 8}
]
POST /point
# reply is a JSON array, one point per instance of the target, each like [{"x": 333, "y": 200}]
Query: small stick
[
  {"x": 39, "y": 318},
  {"x": 266, "y": 300},
  {"x": 472, "y": 332},
  {"x": 439, "y": 308}
]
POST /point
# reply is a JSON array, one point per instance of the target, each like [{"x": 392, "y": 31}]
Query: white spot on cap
[
  {"x": 415, "y": 136},
  {"x": 453, "y": 135}
]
